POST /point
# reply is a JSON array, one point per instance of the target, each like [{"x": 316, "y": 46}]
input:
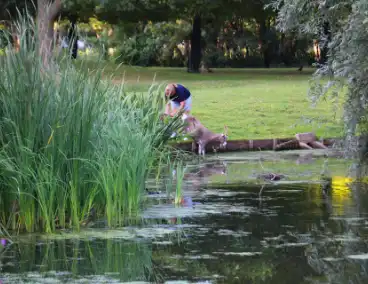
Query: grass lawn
[{"x": 253, "y": 103}]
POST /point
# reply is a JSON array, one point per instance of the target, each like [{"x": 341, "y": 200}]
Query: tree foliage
[
  {"x": 154, "y": 44},
  {"x": 347, "y": 64},
  {"x": 118, "y": 11}
]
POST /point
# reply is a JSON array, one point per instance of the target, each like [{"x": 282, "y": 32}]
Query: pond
[{"x": 233, "y": 227}]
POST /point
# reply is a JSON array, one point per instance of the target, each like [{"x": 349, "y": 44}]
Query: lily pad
[
  {"x": 245, "y": 253},
  {"x": 358, "y": 256},
  {"x": 129, "y": 233}
]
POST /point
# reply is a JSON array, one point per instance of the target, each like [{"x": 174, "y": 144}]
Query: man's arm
[{"x": 182, "y": 105}]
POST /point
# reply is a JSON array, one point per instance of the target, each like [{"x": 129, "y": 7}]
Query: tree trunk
[
  {"x": 284, "y": 52},
  {"x": 324, "y": 50},
  {"x": 195, "y": 50},
  {"x": 73, "y": 38},
  {"x": 187, "y": 53},
  {"x": 47, "y": 11},
  {"x": 247, "y": 53},
  {"x": 264, "y": 44}
]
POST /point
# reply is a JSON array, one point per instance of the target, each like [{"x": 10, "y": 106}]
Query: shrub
[{"x": 154, "y": 44}]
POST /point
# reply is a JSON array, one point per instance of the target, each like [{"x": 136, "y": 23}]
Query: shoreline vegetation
[{"x": 73, "y": 145}]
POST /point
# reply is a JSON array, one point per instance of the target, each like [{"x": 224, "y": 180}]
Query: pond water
[{"x": 231, "y": 228}]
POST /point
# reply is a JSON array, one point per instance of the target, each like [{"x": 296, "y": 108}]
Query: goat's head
[{"x": 190, "y": 123}]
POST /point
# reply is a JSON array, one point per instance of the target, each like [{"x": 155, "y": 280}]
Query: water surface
[{"x": 232, "y": 228}]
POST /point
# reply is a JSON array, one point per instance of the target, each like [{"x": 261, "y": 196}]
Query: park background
[{"x": 241, "y": 70}]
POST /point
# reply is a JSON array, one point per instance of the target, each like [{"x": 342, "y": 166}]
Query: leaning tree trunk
[
  {"x": 47, "y": 11},
  {"x": 195, "y": 50}
]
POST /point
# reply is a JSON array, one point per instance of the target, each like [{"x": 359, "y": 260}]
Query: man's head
[{"x": 170, "y": 91}]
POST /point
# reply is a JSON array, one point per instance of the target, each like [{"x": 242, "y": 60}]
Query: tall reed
[
  {"x": 174, "y": 181},
  {"x": 71, "y": 142},
  {"x": 180, "y": 172}
]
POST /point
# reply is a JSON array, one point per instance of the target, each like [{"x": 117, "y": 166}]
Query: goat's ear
[{"x": 225, "y": 130}]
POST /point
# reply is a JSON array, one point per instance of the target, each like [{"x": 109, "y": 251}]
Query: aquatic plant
[
  {"x": 174, "y": 180},
  {"x": 180, "y": 172},
  {"x": 72, "y": 145},
  {"x": 169, "y": 180}
]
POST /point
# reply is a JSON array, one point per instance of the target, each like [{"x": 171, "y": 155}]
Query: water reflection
[
  {"x": 202, "y": 175},
  {"x": 126, "y": 261}
]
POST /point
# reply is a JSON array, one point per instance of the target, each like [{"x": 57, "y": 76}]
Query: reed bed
[{"x": 72, "y": 143}]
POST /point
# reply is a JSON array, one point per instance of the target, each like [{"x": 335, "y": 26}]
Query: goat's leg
[
  {"x": 193, "y": 146},
  {"x": 203, "y": 148},
  {"x": 199, "y": 149},
  {"x": 203, "y": 151},
  {"x": 304, "y": 145}
]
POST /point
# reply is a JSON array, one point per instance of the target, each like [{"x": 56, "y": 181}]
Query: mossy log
[{"x": 253, "y": 145}]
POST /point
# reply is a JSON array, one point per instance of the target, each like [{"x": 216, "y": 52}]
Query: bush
[
  {"x": 155, "y": 44},
  {"x": 214, "y": 58},
  {"x": 140, "y": 50},
  {"x": 71, "y": 143}
]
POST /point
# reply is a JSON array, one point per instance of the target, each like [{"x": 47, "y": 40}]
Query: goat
[{"x": 202, "y": 136}]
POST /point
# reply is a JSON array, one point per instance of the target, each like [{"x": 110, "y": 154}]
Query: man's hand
[
  {"x": 163, "y": 116},
  {"x": 174, "y": 112}
]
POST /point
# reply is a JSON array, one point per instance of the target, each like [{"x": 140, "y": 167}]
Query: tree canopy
[{"x": 343, "y": 27}]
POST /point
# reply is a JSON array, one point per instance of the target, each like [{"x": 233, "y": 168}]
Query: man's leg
[
  {"x": 188, "y": 106},
  {"x": 173, "y": 106},
  {"x": 187, "y": 109},
  {"x": 168, "y": 108}
]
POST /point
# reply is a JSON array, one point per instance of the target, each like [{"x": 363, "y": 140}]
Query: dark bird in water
[
  {"x": 89, "y": 218},
  {"x": 300, "y": 69},
  {"x": 271, "y": 176}
]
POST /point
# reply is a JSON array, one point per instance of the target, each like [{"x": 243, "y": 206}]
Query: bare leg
[
  {"x": 168, "y": 108},
  {"x": 168, "y": 112}
]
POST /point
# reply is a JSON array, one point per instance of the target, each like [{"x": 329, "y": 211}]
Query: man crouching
[{"x": 180, "y": 99}]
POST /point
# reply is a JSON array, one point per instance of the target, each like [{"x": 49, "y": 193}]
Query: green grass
[{"x": 253, "y": 103}]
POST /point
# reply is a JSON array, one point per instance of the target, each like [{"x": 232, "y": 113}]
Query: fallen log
[{"x": 252, "y": 145}]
